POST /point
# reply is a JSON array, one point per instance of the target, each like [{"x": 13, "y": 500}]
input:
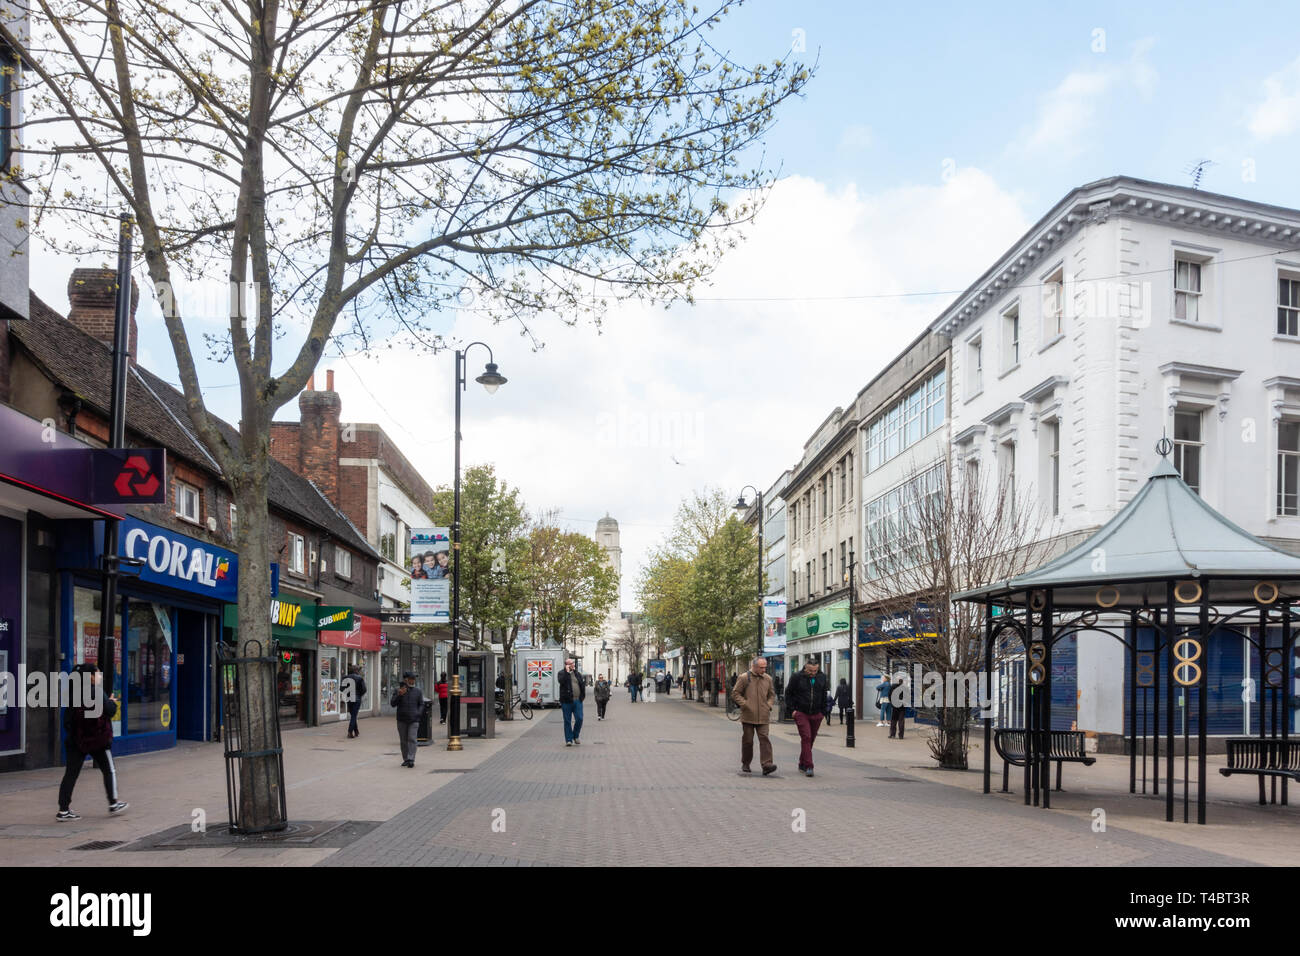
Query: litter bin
[{"x": 424, "y": 733}]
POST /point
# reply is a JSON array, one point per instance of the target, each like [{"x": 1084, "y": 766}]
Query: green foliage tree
[
  {"x": 570, "y": 583},
  {"x": 346, "y": 167}
]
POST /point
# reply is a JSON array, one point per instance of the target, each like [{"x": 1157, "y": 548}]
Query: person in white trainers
[
  {"x": 882, "y": 701},
  {"x": 90, "y": 734}
]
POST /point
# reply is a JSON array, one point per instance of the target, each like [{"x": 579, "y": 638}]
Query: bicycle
[{"x": 517, "y": 703}]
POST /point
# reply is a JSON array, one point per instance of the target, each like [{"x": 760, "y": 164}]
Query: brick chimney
[
  {"x": 92, "y": 302},
  {"x": 318, "y": 435}
]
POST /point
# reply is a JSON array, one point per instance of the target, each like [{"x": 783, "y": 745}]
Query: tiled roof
[{"x": 156, "y": 414}]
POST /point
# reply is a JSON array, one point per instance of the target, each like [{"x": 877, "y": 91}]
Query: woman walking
[
  {"x": 441, "y": 689},
  {"x": 602, "y": 696},
  {"x": 90, "y": 734}
]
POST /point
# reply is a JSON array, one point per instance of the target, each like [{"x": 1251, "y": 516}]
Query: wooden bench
[
  {"x": 1263, "y": 757},
  {"x": 1066, "y": 746}
]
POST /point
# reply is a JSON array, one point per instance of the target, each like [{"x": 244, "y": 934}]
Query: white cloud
[
  {"x": 1278, "y": 114},
  {"x": 1066, "y": 114},
  {"x": 730, "y": 388}
]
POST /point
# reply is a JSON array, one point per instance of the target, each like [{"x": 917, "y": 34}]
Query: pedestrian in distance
[
  {"x": 353, "y": 688},
  {"x": 668, "y": 684},
  {"x": 806, "y": 697},
  {"x": 883, "y": 690},
  {"x": 830, "y": 706},
  {"x": 89, "y": 734},
  {"x": 409, "y": 701},
  {"x": 631, "y": 685},
  {"x": 601, "y": 691},
  {"x": 898, "y": 703},
  {"x": 440, "y": 689},
  {"x": 754, "y": 694},
  {"x": 843, "y": 698},
  {"x": 573, "y": 691}
]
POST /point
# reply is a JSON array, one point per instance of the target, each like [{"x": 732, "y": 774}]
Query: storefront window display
[
  {"x": 291, "y": 683},
  {"x": 147, "y": 681},
  {"x": 329, "y": 682}
]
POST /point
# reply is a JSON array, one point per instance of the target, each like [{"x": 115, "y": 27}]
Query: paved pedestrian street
[
  {"x": 659, "y": 784},
  {"x": 655, "y": 784}
]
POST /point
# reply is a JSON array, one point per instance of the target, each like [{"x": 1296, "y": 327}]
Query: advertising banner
[
  {"x": 525, "y": 636},
  {"x": 774, "y": 635},
  {"x": 430, "y": 568}
]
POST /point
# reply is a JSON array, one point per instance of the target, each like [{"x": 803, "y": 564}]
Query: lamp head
[
  {"x": 741, "y": 504},
  {"x": 491, "y": 379}
]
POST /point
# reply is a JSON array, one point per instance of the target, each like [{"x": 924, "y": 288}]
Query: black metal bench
[
  {"x": 1263, "y": 757},
  {"x": 1065, "y": 746}
]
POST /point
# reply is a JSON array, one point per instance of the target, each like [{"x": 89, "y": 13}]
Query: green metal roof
[{"x": 1166, "y": 533}]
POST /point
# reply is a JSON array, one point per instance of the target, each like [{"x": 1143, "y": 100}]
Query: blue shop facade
[{"x": 168, "y": 626}]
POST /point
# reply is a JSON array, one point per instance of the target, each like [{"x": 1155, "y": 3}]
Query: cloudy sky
[{"x": 924, "y": 146}]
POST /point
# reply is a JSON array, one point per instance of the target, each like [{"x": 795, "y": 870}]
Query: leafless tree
[{"x": 940, "y": 536}]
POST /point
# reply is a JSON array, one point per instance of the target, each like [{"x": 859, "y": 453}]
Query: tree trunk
[
  {"x": 260, "y": 781},
  {"x": 948, "y": 745}
]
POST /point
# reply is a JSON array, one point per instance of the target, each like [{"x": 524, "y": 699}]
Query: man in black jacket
[
  {"x": 90, "y": 734},
  {"x": 573, "y": 691},
  {"x": 806, "y": 697},
  {"x": 409, "y": 701},
  {"x": 353, "y": 688}
]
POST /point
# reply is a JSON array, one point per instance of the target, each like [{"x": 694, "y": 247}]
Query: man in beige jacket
[{"x": 755, "y": 696}]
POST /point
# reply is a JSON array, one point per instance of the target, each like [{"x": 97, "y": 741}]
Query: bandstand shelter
[{"x": 1170, "y": 563}]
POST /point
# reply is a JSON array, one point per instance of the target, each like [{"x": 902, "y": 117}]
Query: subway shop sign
[
  {"x": 295, "y": 619},
  {"x": 827, "y": 620},
  {"x": 177, "y": 561}
]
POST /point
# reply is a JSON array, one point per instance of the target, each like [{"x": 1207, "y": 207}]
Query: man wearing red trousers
[{"x": 806, "y": 695}]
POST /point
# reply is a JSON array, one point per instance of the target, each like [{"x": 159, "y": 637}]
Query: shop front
[
  {"x": 167, "y": 623},
  {"x": 340, "y": 650},
  {"x": 293, "y": 629},
  {"x": 821, "y": 635},
  {"x": 403, "y": 648}
]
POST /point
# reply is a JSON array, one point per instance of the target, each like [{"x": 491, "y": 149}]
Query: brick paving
[{"x": 658, "y": 784}]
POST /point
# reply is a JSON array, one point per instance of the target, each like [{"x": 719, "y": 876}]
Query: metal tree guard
[{"x": 251, "y": 772}]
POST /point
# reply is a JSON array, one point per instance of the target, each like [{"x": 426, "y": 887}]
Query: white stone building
[{"x": 1133, "y": 310}]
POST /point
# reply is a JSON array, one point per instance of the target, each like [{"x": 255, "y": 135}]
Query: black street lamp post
[
  {"x": 491, "y": 380},
  {"x": 849, "y": 739},
  {"x": 742, "y": 506}
]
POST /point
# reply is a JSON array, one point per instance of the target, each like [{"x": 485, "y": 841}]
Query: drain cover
[
  {"x": 335, "y": 750},
  {"x": 894, "y": 779},
  {"x": 453, "y": 770},
  {"x": 674, "y": 741},
  {"x": 100, "y": 845}
]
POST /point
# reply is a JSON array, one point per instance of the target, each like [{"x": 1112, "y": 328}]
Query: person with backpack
[
  {"x": 89, "y": 734},
  {"x": 354, "y": 688}
]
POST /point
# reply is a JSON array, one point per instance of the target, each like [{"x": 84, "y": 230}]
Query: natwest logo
[{"x": 136, "y": 480}]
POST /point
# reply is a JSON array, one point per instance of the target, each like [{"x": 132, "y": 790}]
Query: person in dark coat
[
  {"x": 898, "y": 697},
  {"x": 89, "y": 734},
  {"x": 806, "y": 695},
  {"x": 573, "y": 691},
  {"x": 354, "y": 688},
  {"x": 409, "y": 701},
  {"x": 843, "y": 698},
  {"x": 602, "y": 692}
]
